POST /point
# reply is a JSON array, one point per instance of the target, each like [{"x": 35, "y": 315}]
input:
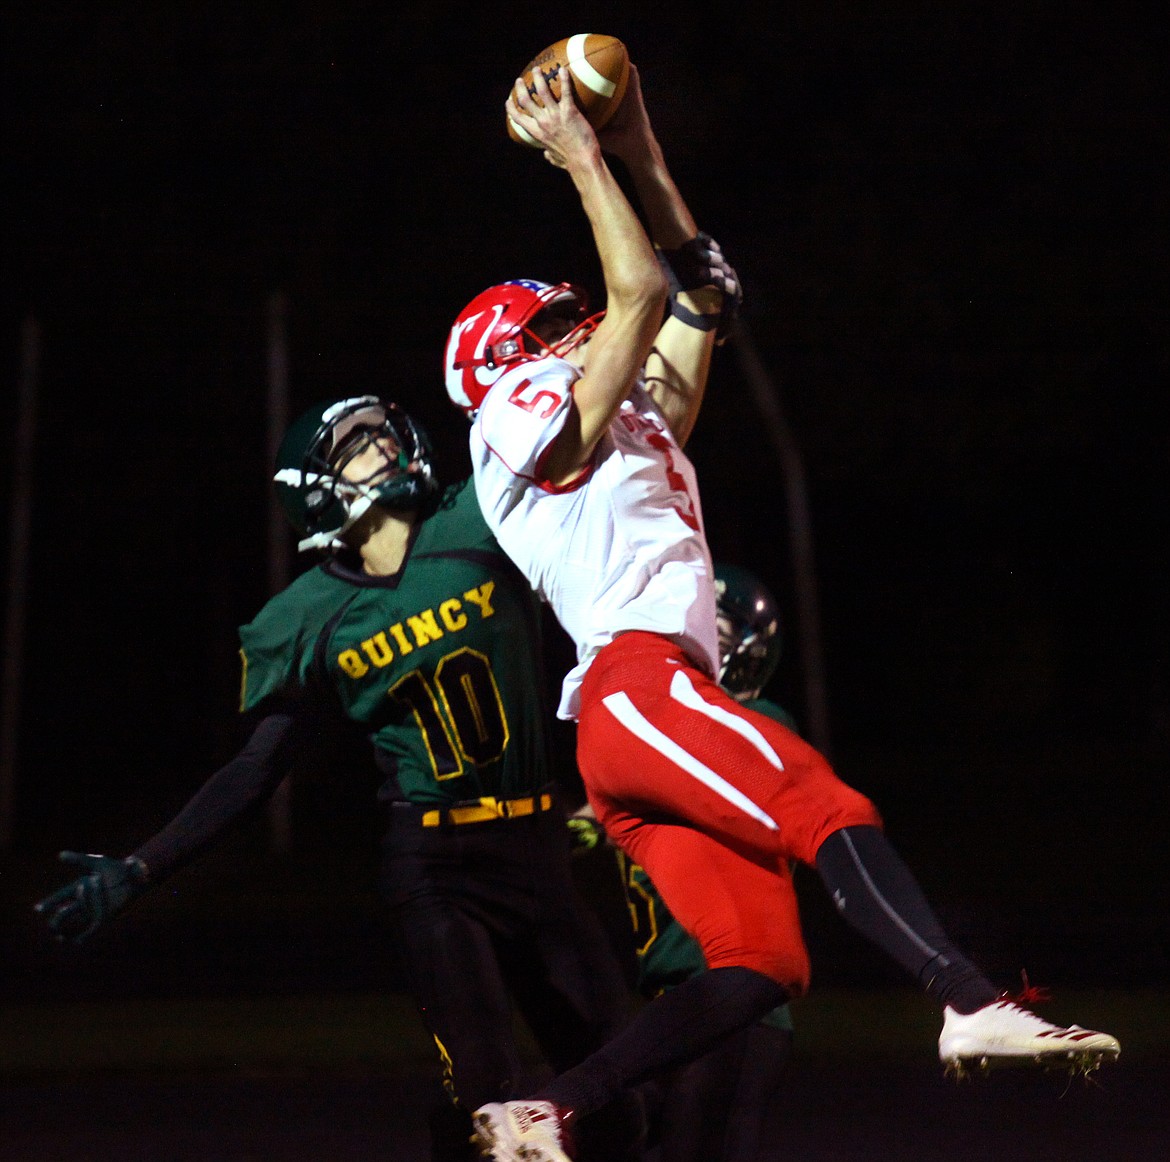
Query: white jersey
[{"x": 620, "y": 548}]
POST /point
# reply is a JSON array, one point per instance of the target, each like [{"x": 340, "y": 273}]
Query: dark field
[{"x": 346, "y": 1079}]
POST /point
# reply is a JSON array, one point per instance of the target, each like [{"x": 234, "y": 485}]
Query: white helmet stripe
[
  {"x": 294, "y": 477},
  {"x": 344, "y": 405}
]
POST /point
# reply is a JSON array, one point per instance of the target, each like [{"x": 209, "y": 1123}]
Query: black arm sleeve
[{"x": 224, "y": 800}]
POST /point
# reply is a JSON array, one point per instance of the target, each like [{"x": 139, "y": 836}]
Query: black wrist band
[{"x": 699, "y": 322}]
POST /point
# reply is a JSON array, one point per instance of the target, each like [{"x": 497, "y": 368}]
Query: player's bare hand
[
  {"x": 628, "y": 134},
  {"x": 555, "y": 123}
]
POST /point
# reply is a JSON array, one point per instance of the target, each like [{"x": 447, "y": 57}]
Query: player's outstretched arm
[
  {"x": 107, "y": 885},
  {"x": 704, "y": 290},
  {"x": 630, "y": 137},
  {"x": 229, "y": 796},
  {"x": 704, "y": 301}
]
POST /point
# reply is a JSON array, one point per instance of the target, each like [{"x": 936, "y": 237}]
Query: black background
[{"x": 950, "y": 221}]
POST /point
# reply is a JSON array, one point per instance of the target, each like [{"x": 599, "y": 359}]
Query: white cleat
[
  {"x": 1005, "y": 1033},
  {"x": 522, "y": 1131}
]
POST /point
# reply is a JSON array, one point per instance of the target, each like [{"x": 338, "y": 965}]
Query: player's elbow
[
  {"x": 641, "y": 291},
  {"x": 655, "y": 289}
]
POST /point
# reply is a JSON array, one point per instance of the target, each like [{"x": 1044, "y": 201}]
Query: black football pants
[{"x": 488, "y": 916}]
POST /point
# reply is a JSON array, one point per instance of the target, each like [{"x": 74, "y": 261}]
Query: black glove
[
  {"x": 106, "y": 886},
  {"x": 696, "y": 264}
]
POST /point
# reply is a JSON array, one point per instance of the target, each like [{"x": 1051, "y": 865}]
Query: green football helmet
[
  {"x": 310, "y": 467},
  {"x": 749, "y": 632}
]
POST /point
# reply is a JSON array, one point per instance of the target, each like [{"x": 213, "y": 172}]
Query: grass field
[
  {"x": 349, "y": 1078},
  {"x": 383, "y": 1031}
]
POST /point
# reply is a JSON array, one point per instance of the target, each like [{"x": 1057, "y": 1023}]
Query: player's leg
[
  {"x": 740, "y": 912},
  {"x": 877, "y": 895},
  {"x": 817, "y": 819},
  {"x": 450, "y": 961},
  {"x": 562, "y": 967},
  {"x": 746, "y": 920},
  {"x": 660, "y": 737},
  {"x": 751, "y": 783},
  {"x": 750, "y": 780},
  {"x": 674, "y": 1028},
  {"x": 721, "y": 1108},
  {"x": 569, "y": 987}
]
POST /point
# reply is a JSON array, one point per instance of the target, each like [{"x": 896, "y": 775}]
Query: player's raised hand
[
  {"x": 553, "y": 121},
  {"x": 627, "y": 134},
  {"x": 104, "y": 888}
]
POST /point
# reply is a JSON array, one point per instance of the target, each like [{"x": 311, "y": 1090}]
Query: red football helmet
[{"x": 492, "y": 333}]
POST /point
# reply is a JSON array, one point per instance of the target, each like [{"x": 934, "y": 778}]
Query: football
[{"x": 599, "y": 67}]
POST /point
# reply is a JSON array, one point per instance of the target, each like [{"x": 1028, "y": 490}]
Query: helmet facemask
[{"x": 559, "y": 329}]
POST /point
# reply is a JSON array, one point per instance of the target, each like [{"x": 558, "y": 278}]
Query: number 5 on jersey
[{"x": 539, "y": 400}]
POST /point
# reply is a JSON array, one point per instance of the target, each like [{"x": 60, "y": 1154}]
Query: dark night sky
[{"x": 951, "y": 224}]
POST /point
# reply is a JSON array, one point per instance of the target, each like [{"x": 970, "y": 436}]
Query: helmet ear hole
[{"x": 501, "y": 353}]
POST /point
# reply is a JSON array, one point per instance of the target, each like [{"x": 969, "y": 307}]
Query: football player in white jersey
[{"x": 578, "y": 425}]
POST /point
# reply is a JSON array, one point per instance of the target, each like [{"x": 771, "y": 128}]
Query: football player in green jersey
[
  {"x": 416, "y": 627},
  {"x": 717, "y": 1108}
]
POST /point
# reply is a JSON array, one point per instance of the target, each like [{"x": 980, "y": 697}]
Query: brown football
[{"x": 599, "y": 67}]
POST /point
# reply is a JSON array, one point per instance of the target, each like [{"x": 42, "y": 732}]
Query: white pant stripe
[
  {"x": 620, "y": 706},
  {"x": 682, "y": 690}
]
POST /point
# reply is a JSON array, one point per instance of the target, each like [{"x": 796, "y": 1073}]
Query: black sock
[
  {"x": 672, "y": 1029},
  {"x": 877, "y": 894}
]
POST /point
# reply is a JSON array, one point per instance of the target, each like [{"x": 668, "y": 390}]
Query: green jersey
[
  {"x": 440, "y": 663},
  {"x": 667, "y": 954}
]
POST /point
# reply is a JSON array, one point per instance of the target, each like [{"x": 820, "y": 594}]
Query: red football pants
[{"x": 713, "y": 800}]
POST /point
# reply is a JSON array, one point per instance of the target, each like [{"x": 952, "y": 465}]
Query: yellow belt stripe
[{"x": 485, "y": 809}]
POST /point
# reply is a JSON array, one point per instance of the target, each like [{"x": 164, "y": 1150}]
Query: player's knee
[
  {"x": 855, "y": 810},
  {"x": 848, "y": 808},
  {"x": 788, "y": 967}
]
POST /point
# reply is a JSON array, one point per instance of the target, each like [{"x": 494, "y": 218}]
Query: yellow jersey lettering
[
  {"x": 482, "y": 596},
  {"x": 451, "y": 611},
  {"x": 416, "y": 631},
  {"x": 351, "y": 662},
  {"x": 378, "y": 650},
  {"x": 424, "y": 627}
]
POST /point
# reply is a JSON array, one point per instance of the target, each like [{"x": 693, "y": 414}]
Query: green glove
[
  {"x": 584, "y": 834},
  {"x": 80, "y": 908}
]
